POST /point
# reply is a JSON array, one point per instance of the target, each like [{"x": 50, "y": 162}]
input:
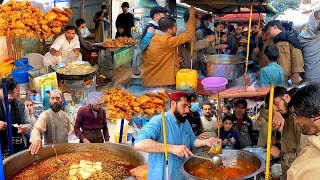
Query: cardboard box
[{"x": 41, "y": 82}]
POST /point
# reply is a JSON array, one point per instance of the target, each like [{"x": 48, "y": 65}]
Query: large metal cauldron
[
  {"x": 228, "y": 66},
  {"x": 191, "y": 162},
  {"x": 22, "y": 159}
]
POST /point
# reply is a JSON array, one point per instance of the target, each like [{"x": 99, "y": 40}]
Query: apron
[{"x": 94, "y": 136}]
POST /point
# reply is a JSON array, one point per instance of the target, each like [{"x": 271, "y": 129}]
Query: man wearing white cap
[
  {"x": 53, "y": 123},
  {"x": 91, "y": 119}
]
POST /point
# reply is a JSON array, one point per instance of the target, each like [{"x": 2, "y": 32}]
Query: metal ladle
[{"x": 216, "y": 159}]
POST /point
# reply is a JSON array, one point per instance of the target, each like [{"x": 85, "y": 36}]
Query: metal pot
[
  {"x": 224, "y": 65},
  {"x": 227, "y": 155},
  {"x": 22, "y": 159}
]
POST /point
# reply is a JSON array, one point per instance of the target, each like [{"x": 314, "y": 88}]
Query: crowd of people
[{"x": 284, "y": 58}]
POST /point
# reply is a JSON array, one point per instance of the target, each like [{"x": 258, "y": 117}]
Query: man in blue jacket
[
  {"x": 156, "y": 13},
  {"x": 180, "y": 139}
]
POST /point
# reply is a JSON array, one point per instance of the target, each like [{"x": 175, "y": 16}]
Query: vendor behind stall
[
  {"x": 91, "y": 119},
  {"x": 65, "y": 48},
  {"x": 160, "y": 59},
  {"x": 180, "y": 139},
  {"x": 124, "y": 22},
  {"x": 54, "y": 124}
]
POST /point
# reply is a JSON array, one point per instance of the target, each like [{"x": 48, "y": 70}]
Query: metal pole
[
  {"x": 8, "y": 115},
  {"x": 1, "y": 166},
  {"x": 81, "y": 9}
]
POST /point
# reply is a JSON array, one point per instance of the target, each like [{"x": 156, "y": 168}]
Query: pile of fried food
[
  {"x": 112, "y": 44},
  {"x": 20, "y": 19},
  {"x": 124, "y": 39},
  {"x": 122, "y": 104}
]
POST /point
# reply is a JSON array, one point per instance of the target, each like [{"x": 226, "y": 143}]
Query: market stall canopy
[
  {"x": 229, "y": 6},
  {"x": 239, "y": 17}
]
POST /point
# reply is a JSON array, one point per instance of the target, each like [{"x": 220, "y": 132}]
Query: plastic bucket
[{"x": 214, "y": 84}]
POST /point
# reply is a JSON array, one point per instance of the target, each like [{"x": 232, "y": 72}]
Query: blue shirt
[
  {"x": 46, "y": 102},
  {"x": 272, "y": 74},
  {"x": 177, "y": 135},
  {"x": 145, "y": 41}
]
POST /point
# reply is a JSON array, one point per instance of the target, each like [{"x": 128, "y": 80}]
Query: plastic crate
[{"x": 141, "y": 121}]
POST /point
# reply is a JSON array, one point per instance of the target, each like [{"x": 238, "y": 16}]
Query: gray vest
[{"x": 57, "y": 128}]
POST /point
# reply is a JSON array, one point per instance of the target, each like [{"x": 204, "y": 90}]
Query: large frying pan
[
  {"x": 84, "y": 77},
  {"x": 23, "y": 159}
]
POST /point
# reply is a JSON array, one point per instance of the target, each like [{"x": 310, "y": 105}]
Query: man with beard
[
  {"x": 53, "y": 123},
  {"x": 179, "y": 135},
  {"x": 92, "y": 119},
  {"x": 291, "y": 134},
  {"x": 305, "y": 107},
  {"x": 19, "y": 115},
  {"x": 65, "y": 48},
  {"x": 236, "y": 42},
  {"x": 160, "y": 59},
  {"x": 209, "y": 123},
  {"x": 290, "y": 56}
]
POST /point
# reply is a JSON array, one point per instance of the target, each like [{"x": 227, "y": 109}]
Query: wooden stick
[
  {"x": 248, "y": 43},
  {"x": 191, "y": 53},
  {"x": 257, "y": 37},
  {"x": 269, "y": 132},
  {"x": 218, "y": 115},
  {"x": 165, "y": 143}
]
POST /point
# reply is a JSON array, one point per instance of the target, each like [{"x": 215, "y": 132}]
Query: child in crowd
[
  {"x": 228, "y": 135},
  {"x": 223, "y": 41},
  {"x": 272, "y": 74}
]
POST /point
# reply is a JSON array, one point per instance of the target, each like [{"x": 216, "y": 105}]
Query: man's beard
[
  {"x": 56, "y": 107},
  {"x": 179, "y": 116}
]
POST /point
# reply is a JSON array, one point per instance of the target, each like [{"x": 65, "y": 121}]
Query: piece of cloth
[
  {"x": 151, "y": 23},
  {"x": 177, "y": 135},
  {"x": 86, "y": 120},
  {"x": 145, "y": 41},
  {"x": 184, "y": 52},
  {"x": 228, "y": 135},
  {"x": 94, "y": 136},
  {"x": 287, "y": 36},
  {"x": 262, "y": 123},
  {"x": 272, "y": 74},
  {"x": 19, "y": 115},
  {"x": 290, "y": 58},
  {"x": 160, "y": 60},
  {"x": 244, "y": 130},
  {"x": 46, "y": 102},
  {"x": 95, "y": 97},
  {"x": 310, "y": 43},
  {"x": 209, "y": 125},
  {"x": 125, "y": 21},
  {"x": 195, "y": 123},
  {"x": 67, "y": 55},
  {"x": 100, "y": 34},
  {"x": 54, "y": 126},
  {"x": 307, "y": 165},
  {"x": 85, "y": 32}
]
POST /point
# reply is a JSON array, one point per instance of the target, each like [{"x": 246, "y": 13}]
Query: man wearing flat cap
[
  {"x": 91, "y": 119},
  {"x": 180, "y": 139}
]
